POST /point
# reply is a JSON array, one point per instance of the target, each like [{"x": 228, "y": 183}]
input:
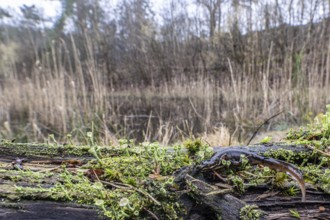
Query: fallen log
[{"x": 39, "y": 185}]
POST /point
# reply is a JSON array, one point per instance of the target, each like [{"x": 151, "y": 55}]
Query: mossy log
[
  {"x": 203, "y": 200},
  {"x": 54, "y": 151},
  {"x": 270, "y": 202},
  {"x": 60, "y": 152}
]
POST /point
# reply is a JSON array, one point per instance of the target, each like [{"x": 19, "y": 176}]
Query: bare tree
[{"x": 212, "y": 7}]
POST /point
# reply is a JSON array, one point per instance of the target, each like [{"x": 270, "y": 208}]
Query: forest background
[{"x": 162, "y": 70}]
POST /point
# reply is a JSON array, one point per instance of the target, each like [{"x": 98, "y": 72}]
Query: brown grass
[{"x": 59, "y": 101}]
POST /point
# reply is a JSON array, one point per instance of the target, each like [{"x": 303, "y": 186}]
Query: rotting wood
[
  {"x": 209, "y": 196},
  {"x": 226, "y": 205},
  {"x": 27, "y": 209}
]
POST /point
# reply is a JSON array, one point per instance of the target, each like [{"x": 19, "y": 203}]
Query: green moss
[
  {"x": 197, "y": 149},
  {"x": 26, "y": 176},
  {"x": 250, "y": 212},
  {"x": 132, "y": 179},
  {"x": 266, "y": 140},
  {"x": 316, "y": 134},
  {"x": 193, "y": 146},
  {"x": 290, "y": 156},
  {"x": 291, "y": 191},
  {"x": 238, "y": 183}
]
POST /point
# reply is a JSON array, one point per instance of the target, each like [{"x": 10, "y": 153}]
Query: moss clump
[
  {"x": 193, "y": 146},
  {"x": 199, "y": 150},
  {"x": 316, "y": 134},
  {"x": 250, "y": 212},
  {"x": 298, "y": 158},
  {"x": 238, "y": 183},
  {"x": 318, "y": 176}
]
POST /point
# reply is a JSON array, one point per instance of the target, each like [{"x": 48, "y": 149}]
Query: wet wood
[
  {"x": 219, "y": 200},
  {"x": 262, "y": 148},
  {"x": 202, "y": 199},
  {"x": 46, "y": 210},
  {"x": 57, "y": 152}
]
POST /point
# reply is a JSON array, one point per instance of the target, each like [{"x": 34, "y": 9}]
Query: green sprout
[
  {"x": 294, "y": 213},
  {"x": 266, "y": 140}
]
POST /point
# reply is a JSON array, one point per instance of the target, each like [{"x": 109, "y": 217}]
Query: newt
[{"x": 234, "y": 155}]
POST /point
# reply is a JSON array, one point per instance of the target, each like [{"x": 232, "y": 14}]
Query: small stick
[
  {"x": 153, "y": 215},
  {"x": 49, "y": 169},
  {"x": 219, "y": 176},
  {"x": 98, "y": 179},
  {"x": 136, "y": 189},
  {"x": 322, "y": 152},
  {"x": 267, "y": 120},
  {"x": 114, "y": 185}
]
